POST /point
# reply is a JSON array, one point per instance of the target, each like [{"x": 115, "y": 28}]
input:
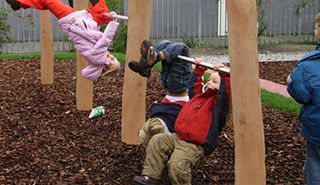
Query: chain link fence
[{"x": 197, "y": 23}]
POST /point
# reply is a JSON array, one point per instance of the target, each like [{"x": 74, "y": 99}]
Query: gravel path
[
  {"x": 266, "y": 54},
  {"x": 268, "y": 57}
]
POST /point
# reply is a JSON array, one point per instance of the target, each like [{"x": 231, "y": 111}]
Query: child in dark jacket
[
  {"x": 303, "y": 86},
  {"x": 82, "y": 28},
  {"x": 197, "y": 129}
]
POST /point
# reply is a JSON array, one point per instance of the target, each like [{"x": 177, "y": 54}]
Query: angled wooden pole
[
  {"x": 84, "y": 87},
  {"x": 246, "y": 102},
  {"x": 134, "y": 88},
  {"x": 46, "y": 47}
]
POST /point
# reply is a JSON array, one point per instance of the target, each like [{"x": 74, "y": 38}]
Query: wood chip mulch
[{"x": 45, "y": 140}]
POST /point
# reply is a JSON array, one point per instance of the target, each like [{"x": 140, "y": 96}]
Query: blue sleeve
[{"x": 298, "y": 88}]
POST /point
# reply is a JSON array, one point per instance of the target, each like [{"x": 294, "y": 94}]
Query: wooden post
[
  {"x": 84, "y": 87},
  {"x": 46, "y": 47},
  {"x": 246, "y": 101},
  {"x": 134, "y": 89}
]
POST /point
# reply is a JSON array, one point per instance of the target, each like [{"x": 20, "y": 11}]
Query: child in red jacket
[{"x": 197, "y": 128}]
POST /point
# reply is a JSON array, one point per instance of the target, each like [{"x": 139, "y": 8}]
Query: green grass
[
  {"x": 270, "y": 99},
  {"x": 280, "y": 102},
  {"x": 57, "y": 56}
]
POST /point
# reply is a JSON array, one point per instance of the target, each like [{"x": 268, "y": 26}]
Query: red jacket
[{"x": 201, "y": 120}]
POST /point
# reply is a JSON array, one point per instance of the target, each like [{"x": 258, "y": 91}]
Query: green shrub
[
  {"x": 113, "y": 5},
  {"x": 261, "y": 18},
  {"x": 189, "y": 41},
  {"x": 119, "y": 43},
  {"x": 4, "y": 27}
]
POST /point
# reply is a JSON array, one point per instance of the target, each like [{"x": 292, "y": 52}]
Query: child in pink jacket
[{"x": 82, "y": 29}]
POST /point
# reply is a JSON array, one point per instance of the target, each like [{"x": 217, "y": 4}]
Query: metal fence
[{"x": 198, "y": 23}]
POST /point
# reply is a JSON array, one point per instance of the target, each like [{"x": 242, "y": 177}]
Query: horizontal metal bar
[{"x": 204, "y": 64}]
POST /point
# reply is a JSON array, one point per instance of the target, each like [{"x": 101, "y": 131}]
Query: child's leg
[
  {"x": 98, "y": 7},
  {"x": 183, "y": 159},
  {"x": 37, "y": 4},
  {"x": 58, "y": 8},
  {"x": 158, "y": 152},
  {"x": 159, "y": 46},
  {"x": 150, "y": 128},
  {"x": 172, "y": 51},
  {"x": 15, "y": 5}
]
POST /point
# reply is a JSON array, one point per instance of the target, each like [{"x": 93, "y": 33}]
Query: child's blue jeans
[
  {"x": 312, "y": 165},
  {"x": 176, "y": 73}
]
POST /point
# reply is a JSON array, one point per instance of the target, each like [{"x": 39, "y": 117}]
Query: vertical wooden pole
[
  {"x": 134, "y": 89},
  {"x": 246, "y": 102},
  {"x": 84, "y": 87},
  {"x": 46, "y": 47}
]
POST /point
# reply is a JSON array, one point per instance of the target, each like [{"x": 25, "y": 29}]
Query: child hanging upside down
[{"x": 82, "y": 29}]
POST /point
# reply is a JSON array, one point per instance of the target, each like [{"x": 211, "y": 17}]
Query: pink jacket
[{"x": 84, "y": 32}]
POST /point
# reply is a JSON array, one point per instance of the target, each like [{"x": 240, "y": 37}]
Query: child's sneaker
[
  {"x": 14, "y": 4},
  {"x": 148, "y": 59},
  {"x": 146, "y": 180},
  {"x": 141, "y": 67}
]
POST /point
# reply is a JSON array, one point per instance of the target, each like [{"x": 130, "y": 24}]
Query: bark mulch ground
[{"x": 45, "y": 140}]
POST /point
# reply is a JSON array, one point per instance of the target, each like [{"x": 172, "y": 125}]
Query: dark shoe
[
  {"x": 94, "y": 2},
  {"x": 70, "y": 3},
  {"x": 134, "y": 66},
  {"x": 14, "y": 4},
  {"x": 148, "y": 59},
  {"x": 141, "y": 67},
  {"x": 146, "y": 180}
]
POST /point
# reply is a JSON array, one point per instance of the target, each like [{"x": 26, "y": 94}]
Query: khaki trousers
[{"x": 179, "y": 156}]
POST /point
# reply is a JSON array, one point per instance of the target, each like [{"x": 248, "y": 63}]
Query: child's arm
[
  {"x": 98, "y": 53},
  {"x": 196, "y": 82},
  {"x": 199, "y": 83},
  {"x": 298, "y": 87},
  {"x": 225, "y": 78}
]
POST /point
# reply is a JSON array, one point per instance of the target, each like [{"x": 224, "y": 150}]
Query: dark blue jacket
[
  {"x": 167, "y": 112},
  {"x": 305, "y": 89},
  {"x": 220, "y": 112}
]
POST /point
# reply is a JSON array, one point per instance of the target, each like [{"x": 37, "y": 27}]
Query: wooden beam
[
  {"x": 46, "y": 47},
  {"x": 246, "y": 102},
  {"x": 134, "y": 89},
  {"x": 84, "y": 87}
]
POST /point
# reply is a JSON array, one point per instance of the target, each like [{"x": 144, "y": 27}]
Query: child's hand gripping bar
[{"x": 204, "y": 64}]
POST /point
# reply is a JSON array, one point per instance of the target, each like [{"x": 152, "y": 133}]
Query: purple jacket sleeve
[{"x": 97, "y": 54}]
